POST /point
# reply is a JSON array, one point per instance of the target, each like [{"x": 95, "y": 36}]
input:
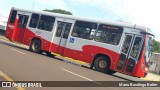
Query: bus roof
[{"x": 114, "y": 23}]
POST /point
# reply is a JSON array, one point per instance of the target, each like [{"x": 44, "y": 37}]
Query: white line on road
[
  {"x": 9, "y": 79},
  {"x": 80, "y": 76},
  {"x": 1, "y": 74},
  {"x": 17, "y": 51}
]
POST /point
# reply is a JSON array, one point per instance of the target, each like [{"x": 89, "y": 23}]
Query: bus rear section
[
  {"x": 16, "y": 26},
  {"x": 30, "y": 28}
]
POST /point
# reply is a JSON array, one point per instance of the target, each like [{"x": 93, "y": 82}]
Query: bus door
[
  {"x": 130, "y": 52},
  {"x": 21, "y": 27},
  {"x": 62, "y": 32}
]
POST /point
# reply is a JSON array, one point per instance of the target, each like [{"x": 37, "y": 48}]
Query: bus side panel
[
  {"x": 54, "y": 48},
  {"x": 85, "y": 50},
  {"x": 78, "y": 55},
  {"x": 94, "y": 50},
  {"x": 29, "y": 35},
  {"x": 69, "y": 53},
  {"x": 89, "y": 51},
  {"x": 45, "y": 45}
]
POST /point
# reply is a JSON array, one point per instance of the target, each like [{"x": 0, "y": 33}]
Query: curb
[{"x": 152, "y": 77}]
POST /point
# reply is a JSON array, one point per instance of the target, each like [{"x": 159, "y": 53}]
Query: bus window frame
[
  {"x": 13, "y": 17},
  {"x": 74, "y": 26},
  {"x": 120, "y": 28},
  {"x": 37, "y": 20},
  {"x": 44, "y": 16}
]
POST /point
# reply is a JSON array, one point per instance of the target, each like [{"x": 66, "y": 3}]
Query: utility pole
[{"x": 33, "y": 5}]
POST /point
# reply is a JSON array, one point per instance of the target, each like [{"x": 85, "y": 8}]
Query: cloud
[
  {"x": 130, "y": 9},
  {"x": 116, "y": 9},
  {"x": 143, "y": 12},
  {"x": 97, "y": 3},
  {"x": 3, "y": 10},
  {"x": 102, "y": 4},
  {"x": 60, "y": 4}
]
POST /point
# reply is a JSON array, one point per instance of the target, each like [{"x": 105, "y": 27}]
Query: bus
[{"x": 106, "y": 46}]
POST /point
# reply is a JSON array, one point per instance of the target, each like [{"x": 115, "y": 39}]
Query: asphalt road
[{"x": 19, "y": 64}]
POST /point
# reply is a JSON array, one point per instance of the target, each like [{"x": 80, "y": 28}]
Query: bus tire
[
  {"x": 36, "y": 46},
  {"x": 102, "y": 64}
]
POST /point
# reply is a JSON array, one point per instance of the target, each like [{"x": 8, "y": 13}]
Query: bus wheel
[
  {"x": 102, "y": 64},
  {"x": 36, "y": 46}
]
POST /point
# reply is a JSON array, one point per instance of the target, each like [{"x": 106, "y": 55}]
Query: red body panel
[
  {"x": 21, "y": 35},
  {"x": 61, "y": 50},
  {"x": 11, "y": 31},
  {"x": 54, "y": 48},
  {"x": 139, "y": 71},
  {"x": 89, "y": 52},
  {"x": 29, "y": 35}
]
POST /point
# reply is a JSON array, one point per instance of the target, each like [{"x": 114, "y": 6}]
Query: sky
[{"x": 142, "y": 12}]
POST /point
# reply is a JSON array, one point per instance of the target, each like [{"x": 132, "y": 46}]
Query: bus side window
[
  {"x": 34, "y": 20},
  {"x": 109, "y": 34},
  {"x": 67, "y": 30},
  {"x": 59, "y": 28},
  {"x": 84, "y": 30},
  {"x": 136, "y": 47},
  {"x": 20, "y": 21},
  {"x": 46, "y": 23},
  {"x": 13, "y": 16}
]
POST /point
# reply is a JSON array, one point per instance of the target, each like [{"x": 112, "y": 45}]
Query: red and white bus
[{"x": 106, "y": 46}]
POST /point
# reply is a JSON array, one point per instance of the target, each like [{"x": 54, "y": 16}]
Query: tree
[
  {"x": 156, "y": 46},
  {"x": 59, "y": 11}
]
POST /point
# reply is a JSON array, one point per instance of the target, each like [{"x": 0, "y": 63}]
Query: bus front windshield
[{"x": 148, "y": 51}]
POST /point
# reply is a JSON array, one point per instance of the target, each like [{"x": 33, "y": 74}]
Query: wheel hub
[
  {"x": 102, "y": 64},
  {"x": 35, "y": 46}
]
